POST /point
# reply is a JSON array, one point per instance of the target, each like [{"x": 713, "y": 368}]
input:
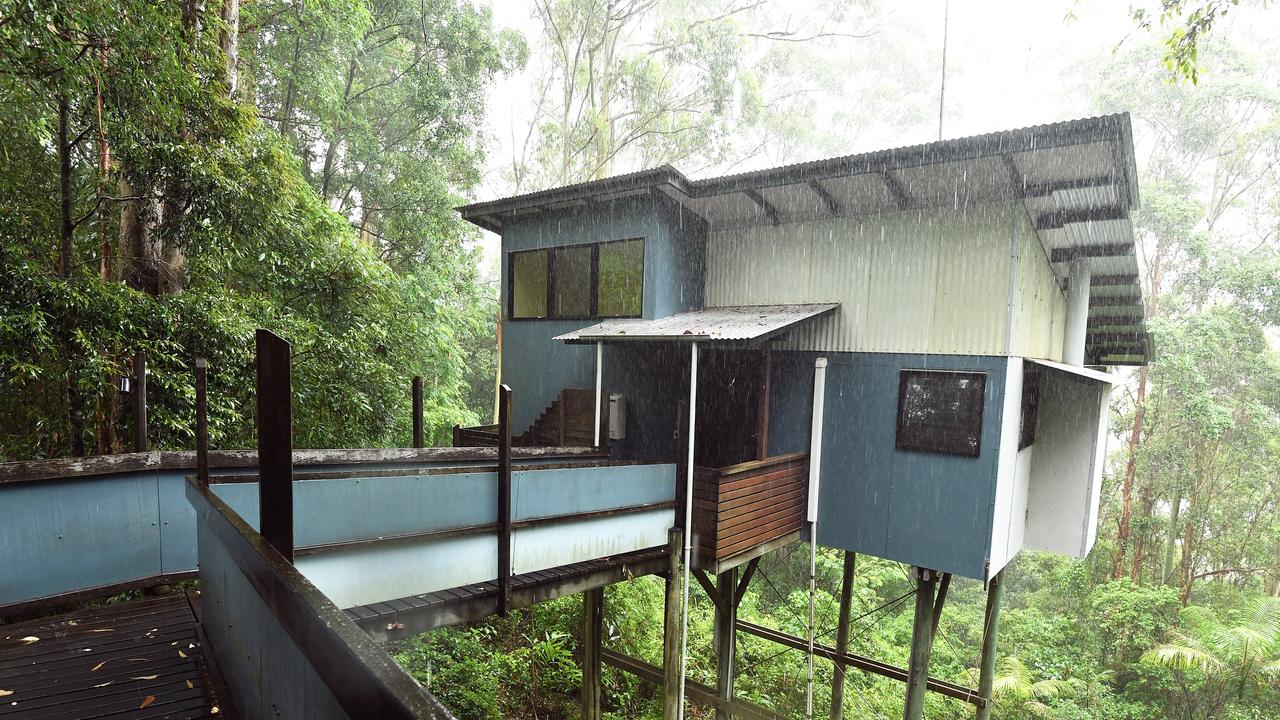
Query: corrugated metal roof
[{"x": 740, "y": 323}]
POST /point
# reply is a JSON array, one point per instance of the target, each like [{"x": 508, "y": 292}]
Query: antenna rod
[{"x": 942, "y": 94}]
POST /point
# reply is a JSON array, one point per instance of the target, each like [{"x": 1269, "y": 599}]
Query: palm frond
[{"x": 1183, "y": 657}]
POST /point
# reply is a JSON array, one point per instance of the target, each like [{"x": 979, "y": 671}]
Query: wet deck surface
[{"x": 140, "y": 659}]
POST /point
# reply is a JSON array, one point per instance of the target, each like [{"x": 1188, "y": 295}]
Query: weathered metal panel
[
  {"x": 177, "y": 523},
  {"x": 564, "y": 491},
  {"x": 268, "y": 676},
  {"x": 60, "y": 536},
  {"x": 1039, "y": 312},
  {"x": 915, "y": 281},
  {"x": 364, "y": 574},
  {"x": 920, "y": 508},
  {"x": 339, "y": 510},
  {"x": 548, "y": 546}
]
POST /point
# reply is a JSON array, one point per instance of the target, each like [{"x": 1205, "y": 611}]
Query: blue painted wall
[
  {"x": 537, "y": 367},
  {"x": 925, "y": 509}
]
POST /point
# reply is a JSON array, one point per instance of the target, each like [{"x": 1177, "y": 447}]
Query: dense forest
[{"x": 175, "y": 175}]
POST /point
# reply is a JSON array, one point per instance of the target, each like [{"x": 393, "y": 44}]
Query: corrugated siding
[
  {"x": 1040, "y": 308},
  {"x": 919, "y": 281}
]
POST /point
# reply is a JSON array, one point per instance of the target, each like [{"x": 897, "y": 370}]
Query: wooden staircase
[{"x": 567, "y": 422}]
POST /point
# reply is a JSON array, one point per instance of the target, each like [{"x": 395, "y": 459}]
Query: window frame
[
  {"x": 911, "y": 441},
  {"x": 1029, "y": 409},
  {"x": 594, "y": 274}
]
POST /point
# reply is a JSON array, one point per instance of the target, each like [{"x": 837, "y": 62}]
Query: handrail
[
  {"x": 364, "y": 679},
  {"x": 22, "y": 471},
  {"x": 751, "y": 465}
]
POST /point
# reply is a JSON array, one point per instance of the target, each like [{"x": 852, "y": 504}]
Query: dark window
[
  {"x": 941, "y": 411},
  {"x": 621, "y": 279},
  {"x": 528, "y": 276},
  {"x": 1030, "y": 406},
  {"x": 577, "y": 281},
  {"x": 571, "y": 281}
]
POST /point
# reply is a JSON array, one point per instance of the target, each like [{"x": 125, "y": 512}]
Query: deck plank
[{"x": 135, "y": 660}]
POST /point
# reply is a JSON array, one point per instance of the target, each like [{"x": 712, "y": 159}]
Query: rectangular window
[
  {"x": 528, "y": 273},
  {"x": 940, "y": 411},
  {"x": 1030, "y": 406},
  {"x": 571, "y": 281},
  {"x": 577, "y": 281},
  {"x": 621, "y": 291}
]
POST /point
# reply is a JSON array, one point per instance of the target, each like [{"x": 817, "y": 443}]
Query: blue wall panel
[
  {"x": 537, "y": 367},
  {"x": 925, "y": 509},
  {"x": 65, "y": 535},
  {"x": 547, "y": 493}
]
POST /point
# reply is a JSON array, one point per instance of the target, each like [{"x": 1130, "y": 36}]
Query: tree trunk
[
  {"x": 138, "y": 264},
  {"x": 1140, "y": 552},
  {"x": 1175, "y": 509},
  {"x": 66, "y": 267},
  {"x": 229, "y": 42},
  {"x": 1126, "y": 490}
]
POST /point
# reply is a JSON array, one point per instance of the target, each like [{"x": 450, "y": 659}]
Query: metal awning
[
  {"x": 737, "y": 324},
  {"x": 1083, "y": 372}
]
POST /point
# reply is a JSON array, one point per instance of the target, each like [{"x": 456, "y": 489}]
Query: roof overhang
[
  {"x": 1080, "y": 372},
  {"x": 737, "y": 325},
  {"x": 1077, "y": 181}
]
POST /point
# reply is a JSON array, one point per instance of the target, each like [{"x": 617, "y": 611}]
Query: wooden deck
[
  {"x": 405, "y": 617},
  {"x": 139, "y": 659}
]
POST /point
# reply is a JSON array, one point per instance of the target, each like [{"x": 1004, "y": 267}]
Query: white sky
[{"x": 1010, "y": 63}]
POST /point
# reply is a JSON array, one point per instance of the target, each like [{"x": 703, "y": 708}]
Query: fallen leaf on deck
[
  {"x": 145, "y": 677},
  {"x": 98, "y": 667},
  {"x": 137, "y": 659},
  {"x": 103, "y": 684},
  {"x": 213, "y": 710},
  {"x": 150, "y": 699},
  {"x": 190, "y": 686},
  {"x": 29, "y": 639},
  {"x": 97, "y": 630},
  {"x": 181, "y": 654},
  {"x": 6, "y": 693}
]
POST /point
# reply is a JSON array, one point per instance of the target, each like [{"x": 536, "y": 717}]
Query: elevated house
[{"x": 902, "y": 353}]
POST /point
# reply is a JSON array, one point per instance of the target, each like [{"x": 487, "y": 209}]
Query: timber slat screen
[{"x": 741, "y": 506}]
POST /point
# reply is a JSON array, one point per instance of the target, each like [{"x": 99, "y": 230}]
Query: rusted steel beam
[
  {"x": 833, "y": 206},
  {"x": 745, "y": 581},
  {"x": 941, "y": 600},
  {"x": 275, "y": 442},
  {"x": 419, "y": 437},
  {"x": 504, "y": 500},
  {"x": 898, "y": 191},
  {"x": 202, "y": 421},
  {"x": 870, "y": 665},
  {"x": 765, "y": 206},
  {"x": 1067, "y": 254}
]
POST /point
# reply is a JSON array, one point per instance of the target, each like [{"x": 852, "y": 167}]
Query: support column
[
  {"x": 275, "y": 442},
  {"x": 504, "y": 500},
  {"x": 592, "y": 620},
  {"x": 202, "y": 421},
  {"x": 140, "y": 402},
  {"x": 674, "y": 610},
  {"x": 599, "y": 387},
  {"x": 419, "y": 435},
  {"x": 990, "y": 627},
  {"x": 726, "y": 641},
  {"x": 842, "y": 635},
  {"x": 1079, "y": 281},
  {"x": 921, "y": 644}
]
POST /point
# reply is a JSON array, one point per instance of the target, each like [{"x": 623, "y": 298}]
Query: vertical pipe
[
  {"x": 726, "y": 636},
  {"x": 670, "y": 634},
  {"x": 842, "y": 635},
  {"x": 419, "y": 436},
  {"x": 1080, "y": 279},
  {"x": 762, "y": 414},
  {"x": 688, "y": 517},
  {"x": 202, "y": 421},
  {"x": 140, "y": 401},
  {"x": 990, "y": 627},
  {"x": 275, "y": 442},
  {"x": 504, "y": 500},
  {"x": 592, "y": 620},
  {"x": 815, "y": 474},
  {"x": 921, "y": 644},
  {"x": 599, "y": 384}
]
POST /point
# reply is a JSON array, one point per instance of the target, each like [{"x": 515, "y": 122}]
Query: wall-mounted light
[{"x": 125, "y": 384}]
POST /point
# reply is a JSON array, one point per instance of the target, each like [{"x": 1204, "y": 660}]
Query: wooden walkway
[
  {"x": 139, "y": 659},
  {"x": 405, "y": 617}
]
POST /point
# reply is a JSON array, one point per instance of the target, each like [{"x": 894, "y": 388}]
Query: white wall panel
[{"x": 922, "y": 281}]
